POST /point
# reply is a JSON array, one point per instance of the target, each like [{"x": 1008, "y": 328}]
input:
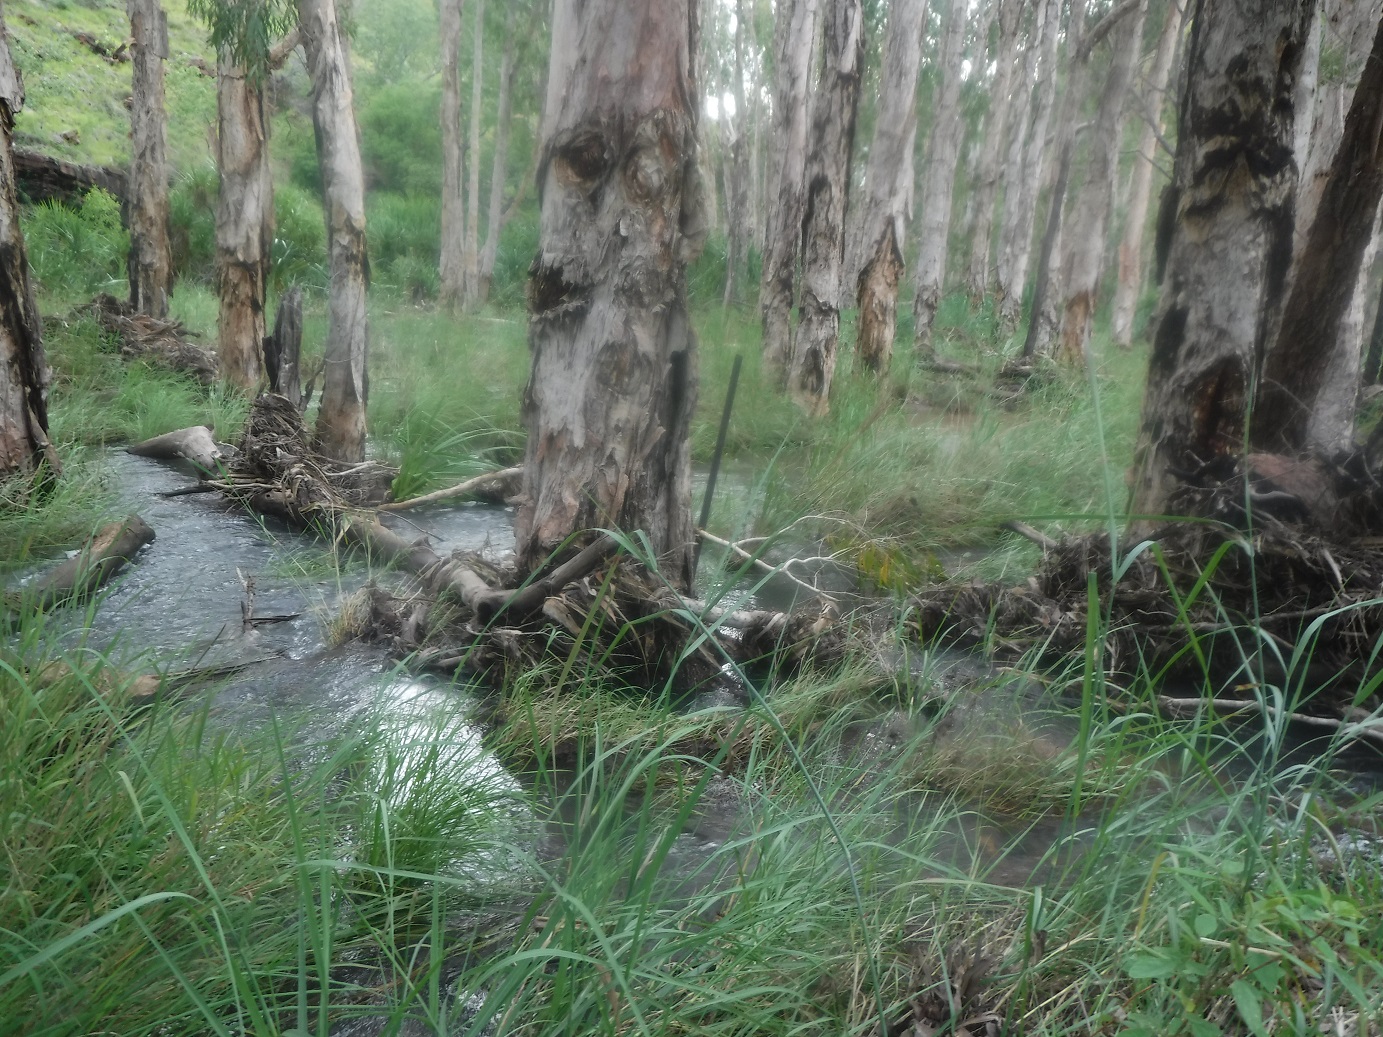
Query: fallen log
[
  {"x": 194, "y": 444},
  {"x": 105, "y": 554},
  {"x": 1362, "y": 727},
  {"x": 43, "y": 178},
  {"x": 492, "y": 486}
]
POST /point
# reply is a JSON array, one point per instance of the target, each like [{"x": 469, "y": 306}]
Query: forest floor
[{"x": 973, "y": 848}]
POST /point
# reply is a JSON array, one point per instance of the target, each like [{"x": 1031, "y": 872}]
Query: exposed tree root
[
  {"x": 592, "y": 608},
  {"x": 1271, "y": 589}
]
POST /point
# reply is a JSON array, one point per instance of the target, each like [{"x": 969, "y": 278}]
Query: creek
[{"x": 180, "y": 605}]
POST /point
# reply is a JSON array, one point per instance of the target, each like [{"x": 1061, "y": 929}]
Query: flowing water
[{"x": 180, "y": 605}]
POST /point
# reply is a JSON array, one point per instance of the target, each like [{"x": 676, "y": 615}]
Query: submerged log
[
  {"x": 194, "y": 444},
  {"x": 104, "y": 554}
]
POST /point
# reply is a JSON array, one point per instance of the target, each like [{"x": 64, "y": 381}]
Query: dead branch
[
  {"x": 1368, "y": 728},
  {"x": 759, "y": 565},
  {"x": 493, "y": 486}
]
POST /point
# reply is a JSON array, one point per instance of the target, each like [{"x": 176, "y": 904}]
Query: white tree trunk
[
  {"x": 24, "y": 376},
  {"x": 244, "y": 221},
  {"x": 1026, "y": 167},
  {"x": 612, "y": 389},
  {"x": 494, "y": 222},
  {"x": 1083, "y": 257},
  {"x": 470, "y": 258},
  {"x": 737, "y": 186},
  {"x": 1154, "y": 99},
  {"x": 785, "y": 189},
  {"x": 1225, "y": 270},
  {"x": 943, "y": 154},
  {"x": 150, "y": 265},
  {"x": 996, "y": 135},
  {"x": 887, "y": 206},
  {"x": 453, "y": 204},
  {"x": 340, "y": 430},
  {"x": 827, "y": 203}
]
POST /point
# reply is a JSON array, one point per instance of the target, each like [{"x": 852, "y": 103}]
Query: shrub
[
  {"x": 192, "y": 224},
  {"x": 77, "y": 251}
]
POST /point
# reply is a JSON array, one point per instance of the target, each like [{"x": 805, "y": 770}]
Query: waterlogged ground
[{"x": 182, "y": 605}]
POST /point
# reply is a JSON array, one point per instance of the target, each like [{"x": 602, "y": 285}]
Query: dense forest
[{"x": 691, "y": 517}]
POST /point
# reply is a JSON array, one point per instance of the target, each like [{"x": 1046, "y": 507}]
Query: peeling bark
[
  {"x": 1083, "y": 258},
  {"x": 1027, "y": 165},
  {"x": 996, "y": 134},
  {"x": 453, "y": 208},
  {"x": 827, "y": 201},
  {"x": 340, "y": 431},
  {"x": 494, "y": 221},
  {"x": 785, "y": 188},
  {"x": 943, "y": 153},
  {"x": 1325, "y": 277},
  {"x": 612, "y": 389},
  {"x": 737, "y": 204},
  {"x": 470, "y": 256},
  {"x": 1130, "y": 281},
  {"x": 887, "y": 206},
  {"x": 1230, "y": 242},
  {"x": 150, "y": 265},
  {"x": 24, "y": 375},
  {"x": 244, "y": 221}
]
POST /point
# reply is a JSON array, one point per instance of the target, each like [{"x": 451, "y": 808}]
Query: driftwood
[
  {"x": 193, "y": 444},
  {"x": 495, "y": 487},
  {"x": 43, "y": 178},
  {"x": 594, "y": 606},
  {"x": 1355, "y": 725},
  {"x": 161, "y": 341},
  {"x": 103, "y": 555}
]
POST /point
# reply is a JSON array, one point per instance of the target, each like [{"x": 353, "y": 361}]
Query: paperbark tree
[
  {"x": 340, "y": 429},
  {"x": 1231, "y": 236},
  {"x": 887, "y": 205},
  {"x": 1027, "y": 165},
  {"x": 943, "y": 153},
  {"x": 834, "y": 110},
  {"x": 451, "y": 268},
  {"x": 1325, "y": 276},
  {"x": 244, "y": 220},
  {"x": 737, "y": 180},
  {"x": 785, "y": 189},
  {"x": 150, "y": 264},
  {"x": 1084, "y": 241},
  {"x": 1154, "y": 103},
  {"x": 24, "y": 445},
  {"x": 470, "y": 258},
  {"x": 504, "y": 118},
  {"x": 612, "y": 388},
  {"x": 996, "y": 135}
]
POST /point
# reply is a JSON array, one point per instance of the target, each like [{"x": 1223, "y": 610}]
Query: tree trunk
[
  {"x": 1325, "y": 276},
  {"x": 1042, "y": 315},
  {"x": 612, "y": 388},
  {"x": 1140, "y": 186},
  {"x": 283, "y": 349},
  {"x": 996, "y": 134},
  {"x": 24, "y": 376},
  {"x": 1230, "y": 241},
  {"x": 943, "y": 153},
  {"x": 888, "y": 187},
  {"x": 827, "y": 201},
  {"x": 1026, "y": 167},
  {"x": 737, "y": 181},
  {"x": 151, "y": 258},
  {"x": 244, "y": 221},
  {"x": 470, "y": 259},
  {"x": 1083, "y": 259},
  {"x": 340, "y": 431},
  {"x": 504, "y": 119},
  {"x": 453, "y": 207},
  {"x": 785, "y": 190}
]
